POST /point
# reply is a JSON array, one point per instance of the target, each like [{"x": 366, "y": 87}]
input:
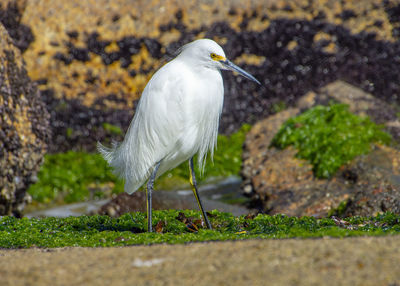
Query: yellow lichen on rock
[
  {"x": 330, "y": 47},
  {"x": 52, "y": 23},
  {"x": 292, "y": 45},
  {"x": 22, "y": 123},
  {"x": 171, "y": 36},
  {"x": 250, "y": 59},
  {"x": 258, "y": 25}
]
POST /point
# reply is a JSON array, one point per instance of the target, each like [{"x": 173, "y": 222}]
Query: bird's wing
[
  {"x": 156, "y": 127},
  {"x": 161, "y": 110}
]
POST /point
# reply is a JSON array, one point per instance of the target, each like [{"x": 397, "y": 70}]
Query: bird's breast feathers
[{"x": 179, "y": 111}]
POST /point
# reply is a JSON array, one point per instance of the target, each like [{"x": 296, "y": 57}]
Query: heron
[{"x": 177, "y": 117}]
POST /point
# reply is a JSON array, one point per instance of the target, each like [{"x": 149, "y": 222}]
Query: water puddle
[{"x": 223, "y": 195}]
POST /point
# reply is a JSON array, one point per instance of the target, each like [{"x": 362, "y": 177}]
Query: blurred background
[{"x": 72, "y": 72}]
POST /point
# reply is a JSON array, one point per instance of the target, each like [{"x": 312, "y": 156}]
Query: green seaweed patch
[
  {"x": 279, "y": 106},
  {"x": 339, "y": 210},
  {"x": 112, "y": 129},
  {"x": 174, "y": 226},
  {"x": 329, "y": 137},
  {"x": 69, "y": 132},
  {"x": 72, "y": 177}
]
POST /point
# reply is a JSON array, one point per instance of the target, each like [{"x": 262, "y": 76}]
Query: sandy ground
[{"x": 350, "y": 261}]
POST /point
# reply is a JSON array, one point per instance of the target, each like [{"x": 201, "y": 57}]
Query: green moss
[
  {"x": 279, "y": 106},
  {"x": 78, "y": 176},
  {"x": 329, "y": 136},
  {"x": 113, "y": 129},
  {"x": 94, "y": 231},
  {"x": 228, "y": 199},
  {"x": 339, "y": 211},
  {"x": 69, "y": 132},
  {"x": 71, "y": 176}
]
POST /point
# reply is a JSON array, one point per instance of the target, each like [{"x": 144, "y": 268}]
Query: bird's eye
[{"x": 213, "y": 56}]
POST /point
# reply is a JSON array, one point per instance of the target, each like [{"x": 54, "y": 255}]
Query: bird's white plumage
[{"x": 177, "y": 116}]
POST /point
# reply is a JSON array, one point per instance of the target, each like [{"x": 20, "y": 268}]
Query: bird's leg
[
  {"x": 196, "y": 193},
  {"x": 149, "y": 189}
]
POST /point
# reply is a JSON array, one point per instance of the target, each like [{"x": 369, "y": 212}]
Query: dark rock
[
  {"x": 124, "y": 203},
  {"x": 10, "y": 16},
  {"x": 393, "y": 12},
  {"x": 73, "y": 34},
  {"x": 131, "y": 45},
  {"x": 281, "y": 183},
  {"x": 164, "y": 200},
  {"x": 24, "y": 128},
  {"x": 347, "y": 14},
  {"x": 378, "y": 184}
]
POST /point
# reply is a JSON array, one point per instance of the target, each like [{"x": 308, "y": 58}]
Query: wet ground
[
  {"x": 350, "y": 261},
  {"x": 219, "y": 195}
]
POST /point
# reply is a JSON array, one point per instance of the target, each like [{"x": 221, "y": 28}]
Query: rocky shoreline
[{"x": 91, "y": 63}]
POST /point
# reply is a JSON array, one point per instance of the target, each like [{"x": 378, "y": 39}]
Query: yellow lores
[{"x": 217, "y": 58}]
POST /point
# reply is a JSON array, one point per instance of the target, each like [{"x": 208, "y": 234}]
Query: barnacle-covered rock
[
  {"x": 92, "y": 60},
  {"x": 24, "y": 128},
  {"x": 10, "y": 16}
]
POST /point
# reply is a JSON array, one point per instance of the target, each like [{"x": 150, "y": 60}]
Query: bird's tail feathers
[
  {"x": 119, "y": 157},
  {"x": 106, "y": 152},
  {"x": 113, "y": 157}
]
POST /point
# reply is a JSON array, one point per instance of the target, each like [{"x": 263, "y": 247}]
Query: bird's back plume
[{"x": 116, "y": 157}]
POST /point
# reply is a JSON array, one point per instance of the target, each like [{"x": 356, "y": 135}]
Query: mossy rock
[
  {"x": 331, "y": 161},
  {"x": 329, "y": 137}
]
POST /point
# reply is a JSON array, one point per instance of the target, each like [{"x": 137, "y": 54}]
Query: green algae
[
  {"x": 130, "y": 229},
  {"x": 329, "y": 137},
  {"x": 70, "y": 176},
  {"x": 112, "y": 129}
]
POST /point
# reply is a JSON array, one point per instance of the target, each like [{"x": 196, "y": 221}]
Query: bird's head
[{"x": 208, "y": 53}]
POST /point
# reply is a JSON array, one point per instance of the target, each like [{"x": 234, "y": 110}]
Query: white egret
[{"x": 177, "y": 117}]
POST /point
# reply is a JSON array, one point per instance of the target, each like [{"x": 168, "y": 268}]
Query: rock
[
  {"x": 280, "y": 183},
  {"x": 214, "y": 195},
  {"x": 92, "y": 61},
  {"x": 10, "y": 16},
  {"x": 124, "y": 203},
  {"x": 164, "y": 200},
  {"x": 24, "y": 128},
  {"x": 378, "y": 183}
]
